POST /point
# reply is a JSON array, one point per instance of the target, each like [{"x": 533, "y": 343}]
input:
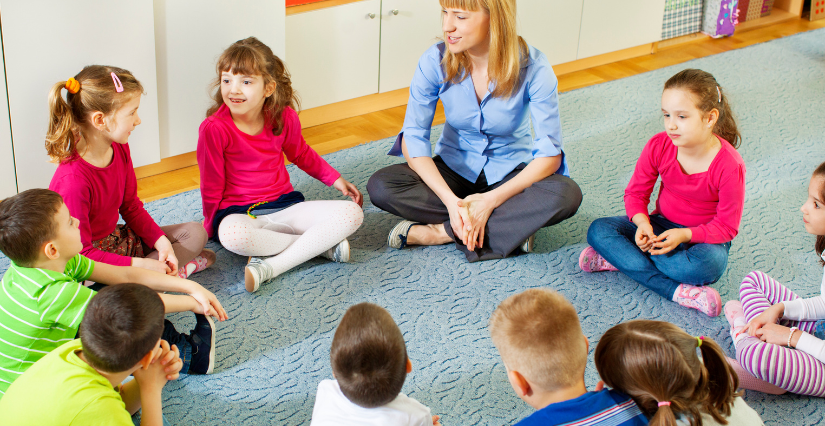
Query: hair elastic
[
  {"x": 72, "y": 85},
  {"x": 663, "y": 403},
  {"x": 700, "y": 339},
  {"x": 118, "y": 84},
  {"x": 249, "y": 211},
  {"x": 719, "y": 91}
]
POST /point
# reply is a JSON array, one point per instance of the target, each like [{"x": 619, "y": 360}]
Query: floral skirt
[{"x": 122, "y": 241}]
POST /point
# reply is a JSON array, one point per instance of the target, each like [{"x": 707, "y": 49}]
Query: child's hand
[
  {"x": 151, "y": 376},
  {"x": 151, "y": 264},
  {"x": 170, "y": 358},
  {"x": 774, "y": 333},
  {"x": 209, "y": 303},
  {"x": 349, "y": 190},
  {"x": 669, "y": 240},
  {"x": 645, "y": 236},
  {"x": 435, "y": 421},
  {"x": 166, "y": 254},
  {"x": 768, "y": 316}
]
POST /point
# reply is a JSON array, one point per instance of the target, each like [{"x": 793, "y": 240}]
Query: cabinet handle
[
  {"x": 371, "y": 15},
  {"x": 394, "y": 12}
]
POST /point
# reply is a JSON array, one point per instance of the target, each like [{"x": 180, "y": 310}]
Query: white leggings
[{"x": 293, "y": 235}]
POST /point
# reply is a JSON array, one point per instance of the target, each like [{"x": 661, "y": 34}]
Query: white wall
[
  {"x": 189, "y": 37},
  {"x": 8, "y": 181},
  {"x": 49, "y": 41}
]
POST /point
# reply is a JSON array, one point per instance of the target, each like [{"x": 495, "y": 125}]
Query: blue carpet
[{"x": 274, "y": 349}]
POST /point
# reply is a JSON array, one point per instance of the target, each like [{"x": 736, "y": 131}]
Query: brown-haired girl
[
  {"x": 780, "y": 337},
  {"x": 492, "y": 184},
  {"x": 658, "y": 365},
  {"x": 683, "y": 245},
  {"x": 88, "y": 136},
  {"x": 248, "y": 202}
]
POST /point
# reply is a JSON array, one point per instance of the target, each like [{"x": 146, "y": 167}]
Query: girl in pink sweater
[
  {"x": 88, "y": 136},
  {"x": 249, "y": 204},
  {"x": 683, "y": 245}
]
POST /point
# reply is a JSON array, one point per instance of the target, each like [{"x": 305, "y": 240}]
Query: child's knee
[
  {"x": 752, "y": 280},
  {"x": 350, "y": 214}
]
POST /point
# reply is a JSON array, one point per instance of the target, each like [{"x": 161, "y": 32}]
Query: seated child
[
  {"x": 369, "y": 363},
  {"x": 80, "y": 379},
  {"x": 657, "y": 364},
  {"x": 42, "y": 298},
  {"x": 538, "y": 335}
]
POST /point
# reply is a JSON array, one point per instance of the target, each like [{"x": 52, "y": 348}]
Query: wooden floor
[{"x": 354, "y": 131}]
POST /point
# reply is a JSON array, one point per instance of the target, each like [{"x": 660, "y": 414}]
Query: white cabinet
[
  {"x": 551, "y": 26},
  {"x": 49, "y": 41},
  {"x": 610, "y": 25},
  {"x": 332, "y": 53},
  {"x": 8, "y": 181},
  {"x": 189, "y": 37},
  {"x": 408, "y": 28}
]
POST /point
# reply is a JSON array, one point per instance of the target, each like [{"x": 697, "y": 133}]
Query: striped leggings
[{"x": 790, "y": 369}]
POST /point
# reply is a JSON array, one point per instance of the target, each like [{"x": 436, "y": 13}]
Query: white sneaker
[
  {"x": 528, "y": 244},
  {"x": 397, "y": 238},
  {"x": 339, "y": 253},
  {"x": 257, "y": 271}
]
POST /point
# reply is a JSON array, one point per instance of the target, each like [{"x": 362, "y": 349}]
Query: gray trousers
[{"x": 399, "y": 190}]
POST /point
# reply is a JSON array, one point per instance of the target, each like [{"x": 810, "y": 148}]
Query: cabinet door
[
  {"x": 610, "y": 25},
  {"x": 49, "y": 41},
  {"x": 408, "y": 28},
  {"x": 190, "y": 36},
  {"x": 332, "y": 53},
  {"x": 551, "y": 26},
  {"x": 8, "y": 181}
]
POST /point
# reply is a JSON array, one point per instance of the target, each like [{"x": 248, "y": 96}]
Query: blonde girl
[
  {"x": 88, "y": 137},
  {"x": 249, "y": 204},
  {"x": 660, "y": 367}
]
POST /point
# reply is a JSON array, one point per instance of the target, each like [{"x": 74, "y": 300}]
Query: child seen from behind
[
  {"x": 683, "y": 245},
  {"x": 538, "y": 335},
  {"x": 249, "y": 204},
  {"x": 658, "y": 365},
  {"x": 369, "y": 364}
]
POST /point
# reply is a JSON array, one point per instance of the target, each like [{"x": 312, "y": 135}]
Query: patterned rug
[{"x": 274, "y": 349}]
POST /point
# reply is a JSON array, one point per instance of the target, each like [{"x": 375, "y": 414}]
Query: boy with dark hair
[
  {"x": 370, "y": 364},
  {"x": 43, "y": 301},
  {"x": 544, "y": 350},
  {"x": 120, "y": 336}
]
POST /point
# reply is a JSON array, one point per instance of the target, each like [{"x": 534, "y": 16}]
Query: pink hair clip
[
  {"x": 118, "y": 84},
  {"x": 663, "y": 403}
]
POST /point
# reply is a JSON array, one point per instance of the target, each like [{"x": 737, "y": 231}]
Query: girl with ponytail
[
  {"x": 658, "y": 365},
  {"x": 683, "y": 245},
  {"x": 88, "y": 137},
  {"x": 780, "y": 337}
]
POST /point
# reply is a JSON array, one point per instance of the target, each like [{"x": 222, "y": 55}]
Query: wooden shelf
[{"x": 292, "y": 10}]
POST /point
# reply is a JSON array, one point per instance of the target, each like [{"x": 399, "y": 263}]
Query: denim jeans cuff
[{"x": 185, "y": 355}]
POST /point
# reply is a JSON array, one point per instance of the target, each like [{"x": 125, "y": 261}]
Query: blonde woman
[{"x": 492, "y": 184}]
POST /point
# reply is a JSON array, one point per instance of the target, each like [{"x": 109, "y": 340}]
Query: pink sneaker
[
  {"x": 735, "y": 314},
  {"x": 703, "y": 299},
  {"x": 205, "y": 259},
  {"x": 590, "y": 261}
]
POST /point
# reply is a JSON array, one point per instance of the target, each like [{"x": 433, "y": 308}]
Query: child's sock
[
  {"x": 703, "y": 299},
  {"x": 751, "y": 382},
  {"x": 736, "y": 318},
  {"x": 202, "y": 261}
]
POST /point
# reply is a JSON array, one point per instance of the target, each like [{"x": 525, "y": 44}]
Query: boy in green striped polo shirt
[{"x": 42, "y": 299}]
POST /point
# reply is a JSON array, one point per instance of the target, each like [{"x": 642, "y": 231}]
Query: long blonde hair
[
  {"x": 250, "y": 56},
  {"x": 508, "y": 51},
  {"x": 97, "y": 93}
]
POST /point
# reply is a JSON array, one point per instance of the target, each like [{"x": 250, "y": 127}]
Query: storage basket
[{"x": 682, "y": 17}]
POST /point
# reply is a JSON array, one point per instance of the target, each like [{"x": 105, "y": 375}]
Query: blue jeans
[{"x": 614, "y": 238}]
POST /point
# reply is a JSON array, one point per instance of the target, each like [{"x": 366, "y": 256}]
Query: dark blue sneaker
[{"x": 202, "y": 342}]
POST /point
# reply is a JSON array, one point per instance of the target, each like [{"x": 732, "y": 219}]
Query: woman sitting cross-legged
[{"x": 491, "y": 185}]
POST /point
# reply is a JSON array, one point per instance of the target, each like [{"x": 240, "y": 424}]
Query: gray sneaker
[
  {"x": 257, "y": 272},
  {"x": 528, "y": 244},
  {"x": 397, "y": 238},
  {"x": 339, "y": 253}
]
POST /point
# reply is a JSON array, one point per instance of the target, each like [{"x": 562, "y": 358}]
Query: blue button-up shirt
[{"x": 494, "y": 135}]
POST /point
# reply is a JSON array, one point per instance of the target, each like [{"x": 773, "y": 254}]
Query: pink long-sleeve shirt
[
  {"x": 239, "y": 169},
  {"x": 96, "y": 195},
  {"x": 710, "y": 203}
]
